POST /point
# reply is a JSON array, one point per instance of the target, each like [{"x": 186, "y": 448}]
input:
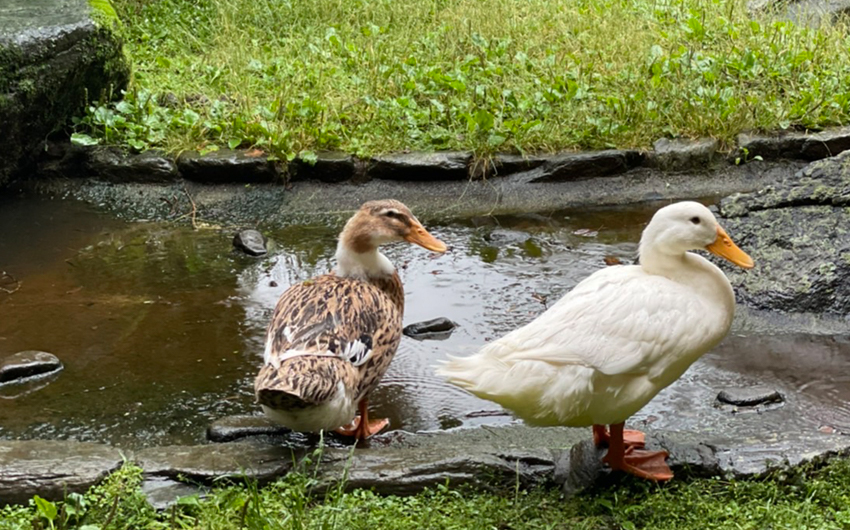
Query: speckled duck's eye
[
  {"x": 695, "y": 220},
  {"x": 393, "y": 213}
]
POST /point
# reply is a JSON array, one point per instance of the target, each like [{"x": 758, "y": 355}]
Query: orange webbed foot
[{"x": 650, "y": 465}]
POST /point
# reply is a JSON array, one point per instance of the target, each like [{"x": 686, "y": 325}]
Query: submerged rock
[
  {"x": 749, "y": 397},
  {"x": 250, "y": 242},
  {"x": 232, "y": 428},
  {"x": 52, "y": 468},
  {"x": 28, "y": 364},
  {"x": 798, "y": 233},
  {"x": 435, "y": 329}
]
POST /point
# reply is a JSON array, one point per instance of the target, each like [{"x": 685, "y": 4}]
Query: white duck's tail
[{"x": 468, "y": 372}]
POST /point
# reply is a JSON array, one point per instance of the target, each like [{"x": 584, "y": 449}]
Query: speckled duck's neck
[{"x": 366, "y": 263}]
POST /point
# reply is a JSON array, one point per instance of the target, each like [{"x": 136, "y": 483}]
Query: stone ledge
[
  {"x": 52, "y": 468},
  {"x": 253, "y": 166},
  {"x": 401, "y": 463}
]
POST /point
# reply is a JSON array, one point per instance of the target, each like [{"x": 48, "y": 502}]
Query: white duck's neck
[
  {"x": 693, "y": 270},
  {"x": 367, "y": 264}
]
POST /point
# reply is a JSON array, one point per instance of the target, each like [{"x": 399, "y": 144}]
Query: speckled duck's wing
[{"x": 327, "y": 331}]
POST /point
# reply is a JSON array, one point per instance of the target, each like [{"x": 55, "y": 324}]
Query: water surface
[{"x": 161, "y": 327}]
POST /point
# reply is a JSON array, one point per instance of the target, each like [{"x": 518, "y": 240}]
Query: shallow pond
[{"x": 161, "y": 327}]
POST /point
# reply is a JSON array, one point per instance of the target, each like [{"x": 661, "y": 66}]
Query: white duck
[{"x": 618, "y": 338}]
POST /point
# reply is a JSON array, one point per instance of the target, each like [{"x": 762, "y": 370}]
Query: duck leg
[
  {"x": 632, "y": 439},
  {"x": 650, "y": 465},
  {"x": 361, "y": 428}
]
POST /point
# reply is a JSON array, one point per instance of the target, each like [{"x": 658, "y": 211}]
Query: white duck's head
[{"x": 684, "y": 226}]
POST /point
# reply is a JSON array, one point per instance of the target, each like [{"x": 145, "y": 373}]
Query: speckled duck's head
[{"x": 378, "y": 223}]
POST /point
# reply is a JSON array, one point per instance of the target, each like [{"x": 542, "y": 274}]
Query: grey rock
[
  {"x": 329, "y": 167},
  {"x": 444, "y": 165},
  {"x": 750, "y": 396},
  {"x": 568, "y": 167},
  {"x": 28, "y": 364},
  {"x": 55, "y": 57},
  {"x": 439, "y": 328},
  {"x": 163, "y": 493},
  {"x": 504, "y": 164},
  {"x": 580, "y": 467},
  {"x": 52, "y": 468},
  {"x": 824, "y": 182},
  {"x": 794, "y": 145},
  {"x": 678, "y": 155},
  {"x": 61, "y": 159},
  {"x": 117, "y": 165},
  {"x": 250, "y": 242},
  {"x": 812, "y": 13},
  {"x": 227, "y": 166},
  {"x": 802, "y": 257},
  {"x": 409, "y": 471},
  {"x": 205, "y": 463},
  {"x": 798, "y": 233},
  {"x": 232, "y": 428}
]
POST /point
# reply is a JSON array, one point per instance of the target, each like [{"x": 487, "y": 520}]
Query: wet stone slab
[
  {"x": 568, "y": 167},
  {"x": 231, "y": 428},
  {"x": 205, "y": 463},
  {"x": 116, "y": 165},
  {"x": 401, "y": 463},
  {"x": 679, "y": 154},
  {"x": 793, "y": 145},
  {"x": 52, "y": 468},
  {"x": 228, "y": 165},
  {"x": 445, "y": 165},
  {"x": 329, "y": 167}
]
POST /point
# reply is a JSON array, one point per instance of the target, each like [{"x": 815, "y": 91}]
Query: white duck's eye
[{"x": 695, "y": 220}]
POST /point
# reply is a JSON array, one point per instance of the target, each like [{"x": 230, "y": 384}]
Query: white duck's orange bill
[
  {"x": 421, "y": 237},
  {"x": 724, "y": 247}
]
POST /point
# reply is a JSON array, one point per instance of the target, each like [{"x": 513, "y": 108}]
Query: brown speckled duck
[{"x": 332, "y": 338}]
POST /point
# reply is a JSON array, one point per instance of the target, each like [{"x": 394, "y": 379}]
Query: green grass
[
  {"x": 817, "y": 499},
  {"x": 372, "y": 76}
]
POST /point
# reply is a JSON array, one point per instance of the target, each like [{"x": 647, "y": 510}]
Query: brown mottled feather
[{"x": 324, "y": 314}]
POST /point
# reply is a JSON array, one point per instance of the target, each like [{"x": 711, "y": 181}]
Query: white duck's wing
[{"x": 620, "y": 320}]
